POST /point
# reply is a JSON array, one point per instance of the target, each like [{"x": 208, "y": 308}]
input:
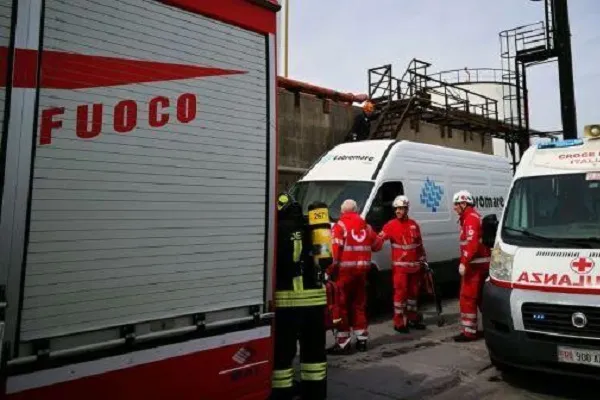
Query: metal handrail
[{"x": 471, "y": 75}]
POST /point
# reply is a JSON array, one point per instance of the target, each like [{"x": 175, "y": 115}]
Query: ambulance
[
  {"x": 541, "y": 304},
  {"x": 138, "y": 176}
]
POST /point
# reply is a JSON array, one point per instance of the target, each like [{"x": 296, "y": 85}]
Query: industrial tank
[{"x": 492, "y": 83}]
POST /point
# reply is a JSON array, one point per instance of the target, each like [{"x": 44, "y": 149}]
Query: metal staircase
[
  {"x": 421, "y": 97},
  {"x": 521, "y": 47}
]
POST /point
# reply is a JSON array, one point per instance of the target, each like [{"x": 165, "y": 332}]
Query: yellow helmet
[{"x": 282, "y": 201}]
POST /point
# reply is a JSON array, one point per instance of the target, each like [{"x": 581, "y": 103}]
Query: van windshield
[
  {"x": 554, "y": 211},
  {"x": 332, "y": 193}
]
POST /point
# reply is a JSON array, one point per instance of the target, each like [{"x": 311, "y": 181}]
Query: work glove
[{"x": 461, "y": 269}]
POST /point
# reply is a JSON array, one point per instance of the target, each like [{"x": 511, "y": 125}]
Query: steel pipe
[{"x": 303, "y": 87}]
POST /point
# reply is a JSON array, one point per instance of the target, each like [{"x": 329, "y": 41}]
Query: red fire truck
[{"x": 138, "y": 159}]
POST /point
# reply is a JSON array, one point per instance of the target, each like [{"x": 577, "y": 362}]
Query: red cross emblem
[{"x": 582, "y": 265}]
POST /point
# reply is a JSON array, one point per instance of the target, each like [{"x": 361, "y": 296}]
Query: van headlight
[{"x": 501, "y": 265}]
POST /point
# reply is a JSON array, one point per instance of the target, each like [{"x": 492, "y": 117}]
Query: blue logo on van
[{"x": 431, "y": 195}]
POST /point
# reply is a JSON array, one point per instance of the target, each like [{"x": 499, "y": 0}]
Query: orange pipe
[{"x": 318, "y": 91}]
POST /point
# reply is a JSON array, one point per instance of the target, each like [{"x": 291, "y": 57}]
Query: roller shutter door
[
  {"x": 160, "y": 220},
  {"x": 5, "y": 24}
]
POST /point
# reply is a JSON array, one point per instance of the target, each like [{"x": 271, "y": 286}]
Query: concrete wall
[
  {"x": 424, "y": 132},
  {"x": 309, "y": 126}
]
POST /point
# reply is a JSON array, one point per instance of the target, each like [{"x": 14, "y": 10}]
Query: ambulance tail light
[
  {"x": 501, "y": 265},
  {"x": 592, "y": 131}
]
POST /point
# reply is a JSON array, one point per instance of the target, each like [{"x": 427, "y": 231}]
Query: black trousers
[{"x": 306, "y": 324}]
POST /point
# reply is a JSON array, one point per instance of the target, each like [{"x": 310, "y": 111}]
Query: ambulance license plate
[{"x": 579, "y": 356}]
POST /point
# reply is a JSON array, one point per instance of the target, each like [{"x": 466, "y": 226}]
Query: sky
[{"x": 333, "y": 43}]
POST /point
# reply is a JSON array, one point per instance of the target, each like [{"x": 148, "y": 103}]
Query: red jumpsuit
[
  {"x": 476, "y": 259},
  {"x": 407, "y": 254},
  {"x": 352, "y": 242}
]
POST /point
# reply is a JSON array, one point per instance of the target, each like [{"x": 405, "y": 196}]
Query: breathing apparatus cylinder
[{"x": 320, "y": 229}]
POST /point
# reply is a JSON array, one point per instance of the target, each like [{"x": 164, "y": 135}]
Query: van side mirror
[{"x": 489, "y": 227}]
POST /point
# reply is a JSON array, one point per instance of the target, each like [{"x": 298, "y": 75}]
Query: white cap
[
  {"x": 401, "y": 201},
  {"x": 463, "y": 196}
]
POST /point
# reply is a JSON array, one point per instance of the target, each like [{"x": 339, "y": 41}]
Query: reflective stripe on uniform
[
  {"x": 355, "y": 263},
  {"x": 357, "y": 248},
  {"x": 405, "y": 246},
  {"x": 480, "y": 260},
  {"x": 469, "y": 330},
  {"x": 466, "y": 242},
  {"x": 338, "y": 241},
  {"x": 399, "y": 308},
  {"x": 301, "y": 298},
  {"x": 297, "y": 248},
  {"x": 282, "y": 378},
  {"x": 411, "y": 305},
  {"x": 313, "y": 371},
  {"x": 361, "y": 334},
  {"x": 298, "y": 283},
  {"x": 406, "y": 263},
  {"x": 468, "y": 322}
]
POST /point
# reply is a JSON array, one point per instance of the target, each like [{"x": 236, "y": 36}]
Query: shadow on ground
[
  {"x": 381, "y": 382},
  {"x": 552, "y": 385}
]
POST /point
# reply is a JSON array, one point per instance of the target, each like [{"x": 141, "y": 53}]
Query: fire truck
[{"x": 138, "y": 159}]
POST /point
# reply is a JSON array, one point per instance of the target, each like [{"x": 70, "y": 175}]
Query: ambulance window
[
  {"x": 381, "y": 208},
  {"x": 556, "y": 210}
]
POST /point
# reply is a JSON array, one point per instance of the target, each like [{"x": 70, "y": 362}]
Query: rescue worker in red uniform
[
  {"x": 353, "y": 240},
  {"x": 474, "y": 264},
  {"x": 408, "y": 254}
]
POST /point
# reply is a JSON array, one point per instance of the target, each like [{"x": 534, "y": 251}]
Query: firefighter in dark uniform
[{"x": 300, "y": 301}]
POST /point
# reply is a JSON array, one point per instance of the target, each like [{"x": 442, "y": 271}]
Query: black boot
[
  {"x": 404, "y": 329},
  {"x": 336, "y": 350},
  {"x": 417, "y": 325},
  {"x": 461, "y": 338},
  {"x": 361, "y": 345}
]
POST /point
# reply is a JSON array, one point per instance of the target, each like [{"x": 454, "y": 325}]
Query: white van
[
  {"x": 374, "y": 172},
  {"x": 541, "y": 305}
]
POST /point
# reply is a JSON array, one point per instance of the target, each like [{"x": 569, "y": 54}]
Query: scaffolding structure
[
  {"x": 441, "y": 97},
  {"x": 420, "y": 96},
  {"x": 521, "y": 47},
  {"x": 529, "y": 45}
]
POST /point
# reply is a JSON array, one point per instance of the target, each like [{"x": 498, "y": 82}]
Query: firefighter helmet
[
  {"x": 401, "y": 201},
  {"x": 284, "y": 200},
  {"x": 463, "y": 196}
]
